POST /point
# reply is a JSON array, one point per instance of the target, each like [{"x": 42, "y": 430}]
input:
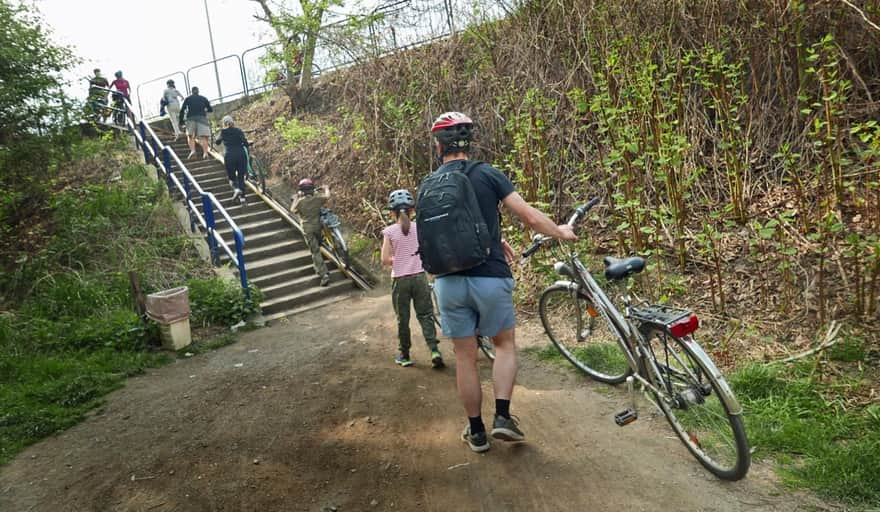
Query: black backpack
[{"x": 453, "y": 236}]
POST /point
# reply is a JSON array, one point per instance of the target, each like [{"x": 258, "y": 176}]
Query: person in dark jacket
[
  {"x": 195, "y": 110},
  {"x": 236, "y": 157}
]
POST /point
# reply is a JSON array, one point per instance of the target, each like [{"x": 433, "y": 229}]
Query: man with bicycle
[{"x": 481, "y": 298}]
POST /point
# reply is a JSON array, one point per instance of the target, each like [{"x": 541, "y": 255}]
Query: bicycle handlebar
[{"x": 538, "y": 240}]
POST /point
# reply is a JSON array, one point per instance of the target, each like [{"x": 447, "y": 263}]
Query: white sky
[
  {"x": 147, "y": 39},
  {"x": 150, "y": 39}
]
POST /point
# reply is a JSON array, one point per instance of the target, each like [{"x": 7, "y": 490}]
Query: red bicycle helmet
[
  {"x": 306, "y": 184},
  {"x": 450, "y": 119},
  {"x": 453, "y": 132}
]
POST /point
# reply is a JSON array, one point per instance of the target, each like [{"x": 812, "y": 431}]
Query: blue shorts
[{"x": 468, "y": 304}]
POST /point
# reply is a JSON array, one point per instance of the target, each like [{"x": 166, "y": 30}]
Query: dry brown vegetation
[{"x": 733, "y": 142}]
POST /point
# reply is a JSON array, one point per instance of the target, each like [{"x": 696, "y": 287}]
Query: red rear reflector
[{"x": 684, "y": 326}]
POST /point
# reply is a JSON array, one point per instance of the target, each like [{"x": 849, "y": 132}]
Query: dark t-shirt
[
  {"x": 233, "y": 140},
  {"x": 195, "y": 106},
  {"x": 490, "y": 187}
]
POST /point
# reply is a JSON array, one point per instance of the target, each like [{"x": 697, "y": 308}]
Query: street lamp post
[{"x": 213, "y": 54}]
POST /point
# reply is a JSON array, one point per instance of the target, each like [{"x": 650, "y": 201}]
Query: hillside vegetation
[{"x": 733, "y": 143}]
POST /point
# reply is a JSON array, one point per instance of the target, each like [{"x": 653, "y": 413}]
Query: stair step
[
  {"x": 297, "y": 285},
  {"x": 253, "y": 254},
  {"x": 308, "y": 307},
  {"x": 256, "y": 226},
  {"x": 268, "y": 266},
  {"x": 286, "y": 275},
  {"x": 251, "y": 213},
  {"x": 301, "y": 298},
  {"x": 273, "y": 237}
]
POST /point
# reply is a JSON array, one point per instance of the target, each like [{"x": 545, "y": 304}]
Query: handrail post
[
  {"x": 188, "y": 192},
  {"x": 143, "y": 131},
  {"x": 166, "y": 160},
  {"x": 208, "y": 207},
  {"x": 242, "y": 274}
]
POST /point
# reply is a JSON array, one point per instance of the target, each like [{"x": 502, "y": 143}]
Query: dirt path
[{"x": 312, "y": 415}]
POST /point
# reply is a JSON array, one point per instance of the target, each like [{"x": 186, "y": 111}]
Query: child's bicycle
[
  {"x": 649, "y": 343},
  {"x": 333, "y": 238},
  {"x": 483, "y": 342}
]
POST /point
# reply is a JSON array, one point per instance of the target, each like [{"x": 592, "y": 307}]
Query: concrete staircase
[{"x": 277, "y": 259}]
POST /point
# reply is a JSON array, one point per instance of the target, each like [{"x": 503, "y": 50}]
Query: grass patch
[
  {"x": 69, "y": 334},
  {"x": 202, "y": 346},
  {"x": 818, "y": 443},
  {"x": 547, "y": 353}
]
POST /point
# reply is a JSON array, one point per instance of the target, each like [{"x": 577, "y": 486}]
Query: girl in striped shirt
[{"x": 399, "y": 251}]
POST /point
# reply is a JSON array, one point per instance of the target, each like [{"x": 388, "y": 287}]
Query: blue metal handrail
[{"x": 160, "y": 155}]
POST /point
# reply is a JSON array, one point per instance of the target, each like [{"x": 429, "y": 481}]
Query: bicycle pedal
[{"x": 625, "y": 417}]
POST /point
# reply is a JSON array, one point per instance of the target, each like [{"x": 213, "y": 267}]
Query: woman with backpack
[{"x": 410, "y": 285}]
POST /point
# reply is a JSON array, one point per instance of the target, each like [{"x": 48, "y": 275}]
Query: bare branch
[{"x": 862, "y": 14}]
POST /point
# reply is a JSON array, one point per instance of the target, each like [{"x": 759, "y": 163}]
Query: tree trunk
[{"x": 315, "y": 14}]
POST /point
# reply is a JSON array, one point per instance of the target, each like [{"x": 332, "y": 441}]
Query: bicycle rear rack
[{"x": 676, "y": 321}]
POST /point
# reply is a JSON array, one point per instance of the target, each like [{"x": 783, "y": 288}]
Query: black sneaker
[
  {"x": 507, "y": 429},
  {"x": 478, "y": 442},
  {"x": 437, "y": 359}
]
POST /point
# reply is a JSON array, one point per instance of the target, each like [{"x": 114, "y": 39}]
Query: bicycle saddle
[{"x": 619, "y": 268}]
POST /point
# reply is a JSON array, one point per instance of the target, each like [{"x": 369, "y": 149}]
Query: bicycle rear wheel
[
  {"x": 256, "y": 172},
  {"x": 339, "y": 246},
  {"x": 692, "y": 402},
  {"x": 582, "y": 335}
]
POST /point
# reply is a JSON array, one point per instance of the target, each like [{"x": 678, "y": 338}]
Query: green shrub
[{"x": 219, "y": 301}]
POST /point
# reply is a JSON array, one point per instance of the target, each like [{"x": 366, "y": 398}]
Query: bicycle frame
[{"x": 633, "y": 342}]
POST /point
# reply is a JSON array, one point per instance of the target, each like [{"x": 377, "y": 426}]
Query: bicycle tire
[
  {"x": 487, "y": 346},
  {"x": 714, "y": 436},
  {"x": 339, "y": 246},
  {"x": 582, "y": 335},
  {"x": 256, "y": 172}
]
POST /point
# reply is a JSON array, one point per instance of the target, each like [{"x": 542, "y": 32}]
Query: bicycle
[
  {"x": 652, "y": 344},
  {"x": 333, "y": 238},
  {"x": 483, "y": 342},
  {"x": 256, "y": 171},
  {"x": 118, "y": 109}
]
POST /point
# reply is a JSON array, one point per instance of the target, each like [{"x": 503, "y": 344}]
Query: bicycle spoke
[
  {"x": 696, "y": 410},
  {"x": 582, "y": 335}
]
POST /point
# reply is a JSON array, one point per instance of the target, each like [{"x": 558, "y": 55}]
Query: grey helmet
[{"x": 401, "y": 200}]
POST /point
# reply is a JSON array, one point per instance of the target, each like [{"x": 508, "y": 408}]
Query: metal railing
[
  {"x": 398, "y": 25},
  {"x": 156, "y": 153}
]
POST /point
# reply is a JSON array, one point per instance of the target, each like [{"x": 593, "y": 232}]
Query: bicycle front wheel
[
  {"x": 486, "y": 345},
  {"x": 693, "y": 399},
  {"x": 582, "y": 335}
]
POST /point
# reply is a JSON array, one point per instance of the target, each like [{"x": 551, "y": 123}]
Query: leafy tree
[
  {"x": 31, "y": 96},
  {"x": 33, "y": 109},
  {"x": 299, "y": 34}
]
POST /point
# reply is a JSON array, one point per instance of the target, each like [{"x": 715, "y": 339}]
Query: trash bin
[{"x": 170, "y": 309}]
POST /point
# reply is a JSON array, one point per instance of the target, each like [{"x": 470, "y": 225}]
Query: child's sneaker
[
  {"x": 403, "y": 360},
  {"x": 437, "y": 359},
  {"x": 478, "y": 442}
]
